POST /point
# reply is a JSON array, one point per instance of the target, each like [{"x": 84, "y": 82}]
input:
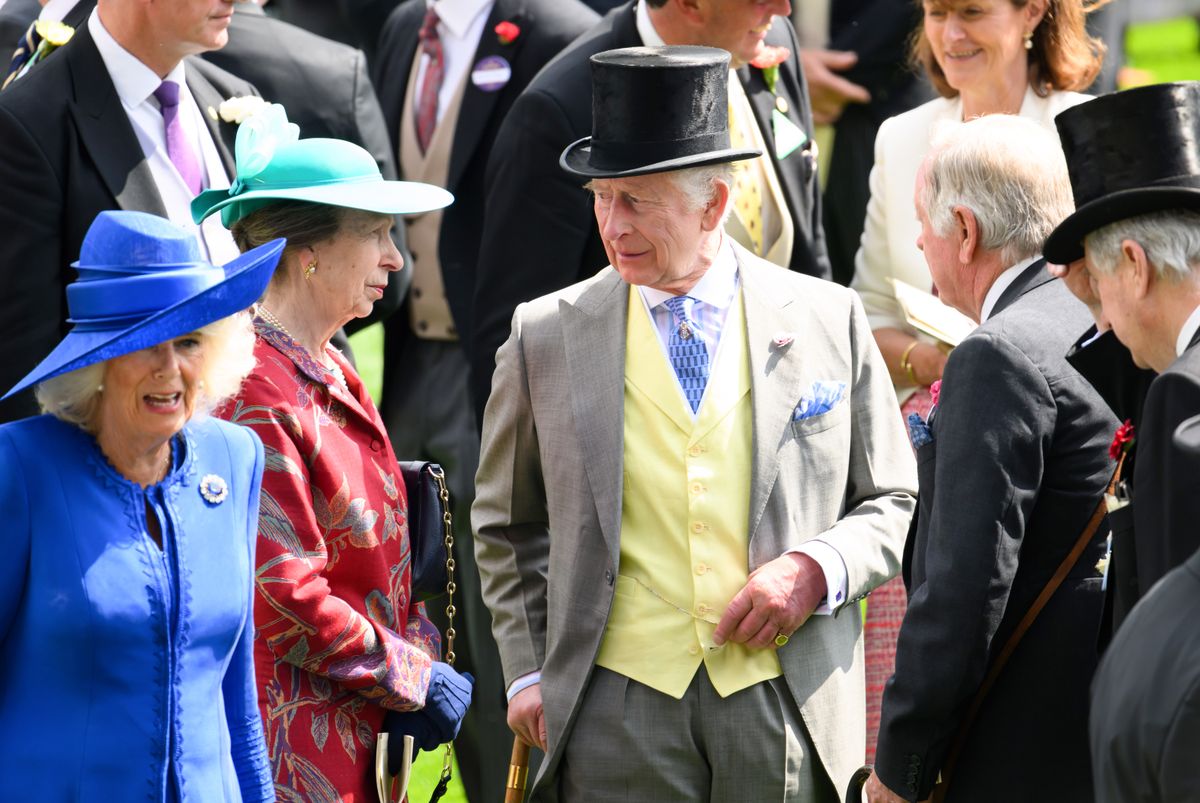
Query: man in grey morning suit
[
  {"x": 1015, "y": 470},
  {"x": 652, "y": 539}
]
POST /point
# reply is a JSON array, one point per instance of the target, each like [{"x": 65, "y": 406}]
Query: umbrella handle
[
  {"x": 518, "y": 772},
  {"x": 857, "y": 781}
]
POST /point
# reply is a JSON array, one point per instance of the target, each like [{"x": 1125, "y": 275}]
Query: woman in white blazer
[{"x": 1024, "y": 57}]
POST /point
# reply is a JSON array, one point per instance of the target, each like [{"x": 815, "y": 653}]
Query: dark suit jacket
[
  {"x": 1166, "y": 486},
  {"x": 879, "y": 32},
  {"x": 540, "y": 233},
  {"x": 69, "y": 153},
  {"x": 324, "y": 86},
  {"x": 1018, "y": 464},
  {"x": 1106, "y": 363},
  {"x": 1145, "y": 718},
  {"x": 353, "y": 22},
  {"x": 547, "y": 26},
  {"x": 15, "y": 16}
]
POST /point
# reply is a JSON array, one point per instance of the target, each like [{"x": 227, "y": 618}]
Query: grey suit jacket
[
  {"x": 1018, "y": 464},
  {"x": 547, "y": 510}
]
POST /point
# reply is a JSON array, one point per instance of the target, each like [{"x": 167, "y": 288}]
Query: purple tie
[{"x": 178, "y": 148}]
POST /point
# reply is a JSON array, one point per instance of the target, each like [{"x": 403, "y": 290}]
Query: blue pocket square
[
  {"x": 823, "y": 397},
  {"x": 918, "y": 431}
]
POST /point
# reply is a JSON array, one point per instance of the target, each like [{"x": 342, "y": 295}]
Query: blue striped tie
[{"x": 687, "y": 350}]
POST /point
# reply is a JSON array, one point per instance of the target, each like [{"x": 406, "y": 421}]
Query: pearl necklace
[{"x": 272, "y": 319}]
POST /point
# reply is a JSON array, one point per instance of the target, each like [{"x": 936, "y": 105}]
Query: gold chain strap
[{"x": 439, "y": 476}]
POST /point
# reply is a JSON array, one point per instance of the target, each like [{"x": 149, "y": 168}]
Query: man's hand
[
  {"x": 829, "y": 92},
  {"x": 1075, "y": 276},
  {"x": 777, "y": 598},
  {"x": 878, "y": 793},
  {"x": 525, "y": 717}
]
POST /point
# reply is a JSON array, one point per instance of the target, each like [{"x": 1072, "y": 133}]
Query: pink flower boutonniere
[
  {"x": 507, "y": 32},
  {"x": 935, "y": 390},
  {"x": 782, "y": 339},
  {"x": 768, "y": 60},
  {"x": 1123, "y": 440}
]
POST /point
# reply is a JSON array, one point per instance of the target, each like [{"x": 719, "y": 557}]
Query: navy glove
[{"x": 438, "y": 722}]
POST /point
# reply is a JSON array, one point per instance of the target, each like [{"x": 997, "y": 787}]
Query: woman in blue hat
[
  {"x": 129, "y": 518},
  {"x": 341, "y": 640}
]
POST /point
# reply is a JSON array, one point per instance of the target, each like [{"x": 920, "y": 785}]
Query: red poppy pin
[
  {"x": 507, "y": 32},
  {"x": 1122, "y": 440}
]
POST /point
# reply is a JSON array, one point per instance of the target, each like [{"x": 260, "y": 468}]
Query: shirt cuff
[
  {"x": 837, "y": 579},
  {"x": 525, "y": 681}
]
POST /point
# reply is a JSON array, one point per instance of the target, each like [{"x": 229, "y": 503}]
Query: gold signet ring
[{"x": 780, "y": 639}]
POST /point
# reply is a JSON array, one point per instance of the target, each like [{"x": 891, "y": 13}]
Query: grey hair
[
  {"x": 1010, "y": 172},
  {"x": 696, "y": 183},
  {"x": 1171, "y": 240},
  {"x": 74, "y": 397}
]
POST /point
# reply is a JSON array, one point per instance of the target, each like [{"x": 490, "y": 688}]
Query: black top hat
[
  {"x": 655, "y": 109},
  {"x": 1128, "y": 153},
  {"x": 1187, "y": 436}
]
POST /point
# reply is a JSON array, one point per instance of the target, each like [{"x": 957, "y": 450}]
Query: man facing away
[
  {"x": 1012, "y": 472},
  {"x": 687, "y": 456}
]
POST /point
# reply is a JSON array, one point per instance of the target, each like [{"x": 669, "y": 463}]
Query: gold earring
[
  {"x": 310, "y": 269},
  {"x": 1029, "y": 40},
  {"x": 100, "y": 388}
]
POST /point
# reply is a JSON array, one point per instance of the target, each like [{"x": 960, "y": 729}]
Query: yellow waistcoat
[{"x": 686, "y": 499}]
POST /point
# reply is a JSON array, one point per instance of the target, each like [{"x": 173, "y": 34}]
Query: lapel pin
[
  {"x": 491, "y": 73},
  {"x": 782, "y": 339},
  {"x": 213, "y": 489},
  {"x": 781, "y": 104}
]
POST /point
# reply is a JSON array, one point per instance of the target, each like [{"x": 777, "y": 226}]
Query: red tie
[{"x": 427, "y": 105}]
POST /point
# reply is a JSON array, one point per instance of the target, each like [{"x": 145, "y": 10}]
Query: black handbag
[{"x": 428, "y": 525}]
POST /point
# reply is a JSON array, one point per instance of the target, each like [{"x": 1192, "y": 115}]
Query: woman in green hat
[{"x": 340, "y": 640}]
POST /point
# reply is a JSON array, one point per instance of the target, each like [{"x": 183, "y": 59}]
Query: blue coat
[{"x": 108, "y": 690}]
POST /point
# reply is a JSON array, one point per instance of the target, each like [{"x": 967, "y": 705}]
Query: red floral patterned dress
[{"x": 337, "y": 638}]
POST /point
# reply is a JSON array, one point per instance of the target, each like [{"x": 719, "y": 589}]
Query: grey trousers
[
  {"x": 632, "y": 743},
  {"x": 429, "y": 417}
]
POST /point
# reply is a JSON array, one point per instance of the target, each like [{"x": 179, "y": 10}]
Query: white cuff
[
  {"x": 525, "y": 681},
  {"x": 834, "y": 568}
]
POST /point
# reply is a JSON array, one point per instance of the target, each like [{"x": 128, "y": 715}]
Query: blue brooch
[{"x": 213, "y": 489}]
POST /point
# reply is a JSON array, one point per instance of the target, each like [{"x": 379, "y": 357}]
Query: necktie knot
[
  {"x": 681, "y": 307},
  {"x": 167, "y": 95},
  {"x": 429, "y": 33}
]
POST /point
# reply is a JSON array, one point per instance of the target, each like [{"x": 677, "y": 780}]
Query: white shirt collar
[
  {"x": 715, "y": 288},
  {"x": 645, "y": 28},
  {"x": 457, "y": 15},
  {"x": 133, "y": 80},
  {"x": 56, "y": 10},
  {"x": 1002, "y": 283},
  {"x": 1190, "y": 327}
]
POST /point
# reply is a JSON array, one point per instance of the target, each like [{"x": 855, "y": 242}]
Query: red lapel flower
[
  {"x": 1122, "y": 440},
  {"x": 768, "y": 60},
  {"x": 507, "y": 32},
  {"x": 935, "y": 390}
]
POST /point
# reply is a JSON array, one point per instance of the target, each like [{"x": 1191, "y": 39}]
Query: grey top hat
[{"x": 656, "y": 109}]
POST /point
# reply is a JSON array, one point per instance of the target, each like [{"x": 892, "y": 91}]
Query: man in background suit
[
  {"x": 15, "y": 17},
  {"x": 71, "y": 150},
  {"x": 1145, "y": 717},
  {"x": 654, "y": 535},
  {"x": 1013, "y": 467},
  {"x": 538, "y": 236},
  {"x": 1137, "y": 197},
  {"x": 425, "y": 402}
]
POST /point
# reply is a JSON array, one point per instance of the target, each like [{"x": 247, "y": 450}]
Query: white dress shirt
[
  {"x": 135, "y": 84},
  {"x": 1190, "y": 327},
  {"x": 460, "y": 26}
]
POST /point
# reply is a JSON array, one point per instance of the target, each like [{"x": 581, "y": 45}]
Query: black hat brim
[
  {"x": 1065, "y": 243},
  {"x": 1187, "y": 436},
  {"x": 576, "y": 160}
]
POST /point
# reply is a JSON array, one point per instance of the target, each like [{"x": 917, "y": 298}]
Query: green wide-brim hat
[{"x": 273, "y": 164}]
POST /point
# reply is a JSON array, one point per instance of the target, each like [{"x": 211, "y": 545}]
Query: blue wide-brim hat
[
  {"x": 273, "y": 164},
  {"x": 143, "y": 281}
]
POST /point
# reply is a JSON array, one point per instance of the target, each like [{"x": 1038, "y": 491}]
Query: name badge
[{"x": 491, "y": 73}]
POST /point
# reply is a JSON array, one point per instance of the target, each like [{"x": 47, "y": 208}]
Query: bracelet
[{"x": 906, "y": 366}]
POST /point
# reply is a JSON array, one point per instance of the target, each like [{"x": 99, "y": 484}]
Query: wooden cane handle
[{"x": 518, "y": 772}]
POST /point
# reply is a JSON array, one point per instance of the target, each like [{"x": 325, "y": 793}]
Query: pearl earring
[{"x": 1029, "y": 40}]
